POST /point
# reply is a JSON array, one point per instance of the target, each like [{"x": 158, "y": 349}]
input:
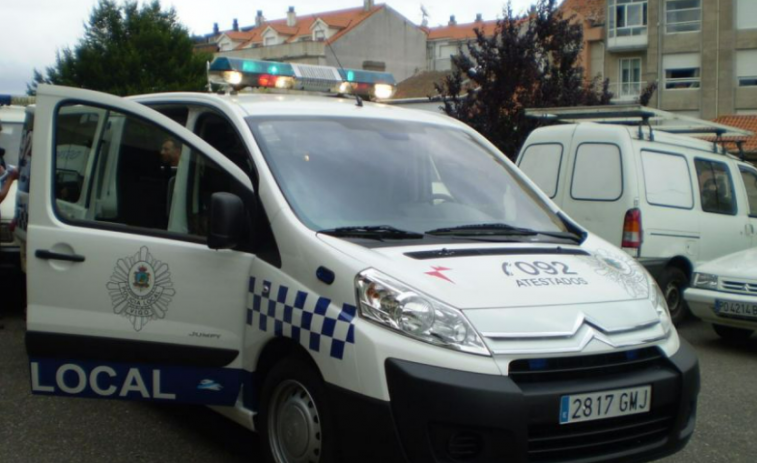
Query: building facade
[
  {"x": 701, "y": 53},
  {"x": 371, "y": 37}
]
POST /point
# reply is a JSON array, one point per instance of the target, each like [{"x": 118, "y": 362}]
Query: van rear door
[{"x": 125, "y": 299}]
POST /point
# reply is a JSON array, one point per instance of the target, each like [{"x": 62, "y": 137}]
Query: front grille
[
  {"x": 569, "y": 442},
  {"x": 594, "y": 366},
  {"x": 739, "y": 286},
  {"x": 465, "y": 446}
]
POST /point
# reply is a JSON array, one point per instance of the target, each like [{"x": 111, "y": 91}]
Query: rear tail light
[
  {"x": 632, "y": 229},
  {"x": 12, "y": 225}
]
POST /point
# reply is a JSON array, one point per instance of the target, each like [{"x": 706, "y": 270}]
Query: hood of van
[{"x": 510, "y": 275}]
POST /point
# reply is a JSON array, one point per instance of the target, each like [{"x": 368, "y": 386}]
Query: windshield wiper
[
  {"x": 372, "y": 231},
  {"x": 501, "y": 229},
  {"x": 483, "y": 229}
]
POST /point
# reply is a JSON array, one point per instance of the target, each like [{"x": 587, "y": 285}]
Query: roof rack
[{"x": 638, "y": 115}]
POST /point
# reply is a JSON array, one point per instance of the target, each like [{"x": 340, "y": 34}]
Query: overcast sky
[{"x": 31, "y": 31}]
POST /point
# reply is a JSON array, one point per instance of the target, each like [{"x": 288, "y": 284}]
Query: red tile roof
[
  {"x": 741, "y": 122},
  {"x": 345, "y": 20},
  {"x": 593, "y": 10},
  {"x": 238, "y": 36},
  {"x": 462, "y": 31}
]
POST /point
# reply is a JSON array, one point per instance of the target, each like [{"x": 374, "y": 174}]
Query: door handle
[{"x": 49, "y": 255}]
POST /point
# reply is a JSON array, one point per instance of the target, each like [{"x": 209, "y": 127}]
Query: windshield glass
[{"x": 415, "y": 177}]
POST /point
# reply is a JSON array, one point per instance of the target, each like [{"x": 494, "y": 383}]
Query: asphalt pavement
[{"x": 59, "y": 430}]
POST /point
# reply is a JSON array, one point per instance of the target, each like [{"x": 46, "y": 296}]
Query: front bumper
[
  {"x": 702, "y": 305},
  {"x": 441, "y": 415}
]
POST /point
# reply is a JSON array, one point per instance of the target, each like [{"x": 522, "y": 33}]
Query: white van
[
  {"x": 355, "y": 281},
  {"x": 671, "y": 201},
  {"x": 12, "y": 122}
]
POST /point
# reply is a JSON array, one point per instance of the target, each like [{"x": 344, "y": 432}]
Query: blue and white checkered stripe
[{"x": 306, "y": 318}]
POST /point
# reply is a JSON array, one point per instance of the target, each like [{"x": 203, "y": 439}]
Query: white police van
[{"x": 356, "y": 282}]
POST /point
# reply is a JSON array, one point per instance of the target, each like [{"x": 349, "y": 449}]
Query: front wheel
[
  {"x": 673, "y": 282},
  {"x": 295, "y": 418},
  {"x": 732, "y": 334}
]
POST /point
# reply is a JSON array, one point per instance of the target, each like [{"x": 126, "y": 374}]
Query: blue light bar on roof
[{"x": 240, "y": 73}]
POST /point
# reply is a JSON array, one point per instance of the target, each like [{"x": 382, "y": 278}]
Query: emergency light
[{"x": 239, "y": 73}]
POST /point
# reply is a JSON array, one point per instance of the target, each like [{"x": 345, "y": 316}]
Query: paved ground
[{"x": 48, "y": 429}]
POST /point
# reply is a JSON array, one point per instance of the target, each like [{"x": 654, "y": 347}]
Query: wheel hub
[{"x": 295, "y": 427}]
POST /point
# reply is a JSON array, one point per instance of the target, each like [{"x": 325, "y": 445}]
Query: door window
[
  {"x": 667, "y": 180},
  {"x": 715, "y": 187},
  {"x": 542, "y": 165},
  {"x": 597, "y": 173},
  {"x": 750, "y": 183},
  {"x": 116, "y": 170}
]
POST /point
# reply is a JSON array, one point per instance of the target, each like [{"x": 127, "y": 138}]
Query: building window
[
  {"x": 683, "y": 16},
  {"x": 270, "y": 41},
  {"x": 746, "y": 14},
  {"x": 319, "y": 35},
  {"x": 627, "y": 17},
  {"x": 746, "y": 68},
  {"x": 682, "y": 71},
  {"x": 630, "y": 77}
]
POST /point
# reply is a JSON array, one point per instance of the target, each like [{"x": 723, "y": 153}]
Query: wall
[{"x": 386, "y": 37}]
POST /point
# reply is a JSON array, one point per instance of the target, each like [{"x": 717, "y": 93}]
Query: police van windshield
[{"x": 417, "y": 177}]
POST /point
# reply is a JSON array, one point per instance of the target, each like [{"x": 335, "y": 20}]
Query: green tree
[
  {"x": 531, "y": 61},
  {"x": 128, "y": 50}
]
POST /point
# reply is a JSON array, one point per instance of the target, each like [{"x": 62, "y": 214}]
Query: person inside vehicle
[
  {"x": 7, "y": 177},
  {"x": 170, "y": 152}
]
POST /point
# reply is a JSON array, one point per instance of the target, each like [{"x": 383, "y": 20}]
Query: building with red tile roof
[
  {"x": 745, "y": 122},
  {"x": 376, "y": 38}
]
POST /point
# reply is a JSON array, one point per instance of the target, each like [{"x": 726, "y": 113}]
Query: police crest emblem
[{"x": 141, "y": 288}]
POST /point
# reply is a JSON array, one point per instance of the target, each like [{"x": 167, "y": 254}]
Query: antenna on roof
[
  {"x": 424, "y": 16},
  {"x": 358, "y": 100}
]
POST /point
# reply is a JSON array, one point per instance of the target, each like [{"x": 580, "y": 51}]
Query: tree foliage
[
  {"x": 127, "y": 50},
  {"x": 531, "y": 61}
]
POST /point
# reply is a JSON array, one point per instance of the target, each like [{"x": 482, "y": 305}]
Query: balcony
[
  {"x": 626, "y": 92},
  {"x": 623, "y": 39}
]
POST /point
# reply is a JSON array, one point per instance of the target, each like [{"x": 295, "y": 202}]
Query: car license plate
[
  {"x": 605, "y": 404},
  {"x": 736, "y": 309}
]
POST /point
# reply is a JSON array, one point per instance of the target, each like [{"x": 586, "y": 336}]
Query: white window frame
[
  {"x": 634, "y": 87},
  {"x": 698, "y": 22},
  {"x": 628, "y": 30},
  {"x": 319, "y": 35},
  {"x": 746, "y": 68},
  {"x": 682, "y": 61},
  {"x": 270, "y": 40}
]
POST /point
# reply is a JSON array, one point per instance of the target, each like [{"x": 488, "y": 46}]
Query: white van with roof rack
[
  {"x": 354, "y": 281},
  {"x": 671, "y": 201}
]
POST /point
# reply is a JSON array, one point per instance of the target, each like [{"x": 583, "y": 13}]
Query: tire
[
  {"x": 732, "y": 334},
  {"x": 295, "y": 420},
  {"x": 673, "y": 282}
]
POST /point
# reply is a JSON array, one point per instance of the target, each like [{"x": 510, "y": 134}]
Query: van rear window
[
  {"x": 541, "y": 162},
  {"x": 667, "y": 180},
  {"x": 597, "y": 173}
]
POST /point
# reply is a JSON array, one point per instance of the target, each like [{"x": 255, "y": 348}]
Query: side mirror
[{"x": 227, "y": 221}]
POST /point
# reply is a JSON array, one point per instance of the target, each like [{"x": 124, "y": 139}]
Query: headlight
[
  {"x": 706, "y": 281},
  {"x": 407, "y": 311},
  {"x": 661, "y": 305}
]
